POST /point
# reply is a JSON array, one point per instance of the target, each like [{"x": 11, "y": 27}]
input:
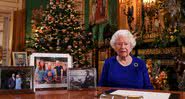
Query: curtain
[{"x": 19, "y": 31}]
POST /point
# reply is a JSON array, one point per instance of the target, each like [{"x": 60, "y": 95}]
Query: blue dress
[
  {"x": 40, "y": 74},
  {"x": 18, "y": 83},
  {"x": 134, "y": 75}
]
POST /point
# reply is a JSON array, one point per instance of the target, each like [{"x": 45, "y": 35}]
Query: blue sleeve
[
  {"x": 45, "y": 74},
  {"x": 53, "y": 72},
  {"x": 36, "y": 70},
  {"x": 147, "y": 83},
  {"x": 104, "y": 74}
]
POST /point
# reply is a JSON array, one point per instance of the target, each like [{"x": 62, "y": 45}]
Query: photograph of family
[{"x": 50, "y": 71}]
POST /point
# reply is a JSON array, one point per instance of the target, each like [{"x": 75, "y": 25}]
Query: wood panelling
[
  {"x": 1, "y": 24},
  {"x": 12, "y": 1},
  {"x": 11, "y": 4}
]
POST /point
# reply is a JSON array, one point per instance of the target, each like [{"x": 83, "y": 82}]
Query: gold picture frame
[
  {"x": 98, "y": 11},
  {"x": 20, "y": 58}
]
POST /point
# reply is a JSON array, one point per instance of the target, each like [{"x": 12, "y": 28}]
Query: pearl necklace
[{"x": 127, "y": 63}]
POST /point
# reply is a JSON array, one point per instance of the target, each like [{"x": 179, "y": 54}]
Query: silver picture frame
[{"x": 51, "y": 69}]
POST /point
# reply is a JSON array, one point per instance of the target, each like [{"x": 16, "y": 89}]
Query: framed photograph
[
  {"x": 20, "y": 59},
  {"x": 16, "y": 79},
  {"x": 82, "y": 78},
  {"x": 51, "y": 69}
]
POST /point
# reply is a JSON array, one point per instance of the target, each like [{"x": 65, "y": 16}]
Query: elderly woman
[{"x": 124, "y": 70}]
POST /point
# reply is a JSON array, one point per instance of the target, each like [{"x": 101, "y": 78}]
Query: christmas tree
[{"x": 58, "y": 28}]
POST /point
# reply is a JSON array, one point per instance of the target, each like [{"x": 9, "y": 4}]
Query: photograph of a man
[
  {"x": 49, "y": 74},
  {"x": 61, "y": 70},
  {"x": 20, "y": 58}
]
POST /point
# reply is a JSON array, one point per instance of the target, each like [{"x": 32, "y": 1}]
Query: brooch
[{"x": 135, "y": 64}]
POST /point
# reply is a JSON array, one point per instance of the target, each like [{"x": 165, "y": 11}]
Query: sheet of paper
[{"x": 146, "y": 95}]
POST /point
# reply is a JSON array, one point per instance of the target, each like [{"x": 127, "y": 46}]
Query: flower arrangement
[{"x": 158, "y": 78}]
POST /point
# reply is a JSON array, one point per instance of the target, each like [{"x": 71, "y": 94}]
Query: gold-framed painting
[
  {"x": 98, "y": 11},
  {"x": 79, "y": 6},
  {"x": 130, "y": 14}
]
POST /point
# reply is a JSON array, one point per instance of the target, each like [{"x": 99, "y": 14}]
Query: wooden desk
[{"x": 65, "y": 94}]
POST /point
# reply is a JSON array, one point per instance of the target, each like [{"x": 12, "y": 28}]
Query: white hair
[{"x": 124, "y": 33}]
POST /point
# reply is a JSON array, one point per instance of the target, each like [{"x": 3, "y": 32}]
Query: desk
[{"x": 66, "y": 94}]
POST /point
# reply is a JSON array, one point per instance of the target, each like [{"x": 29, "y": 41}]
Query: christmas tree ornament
[
  {"x": 50, "y": 11},
  {"x": 43, "y": 48},
  {"x": 58, "y": 48},
  {"x": 90, "y": 33},
  {"x": 63, "y": 30},
  {"x": 51, "y": 2},
  {"x": 80, "y": 42},
  {"x": 72, "y": 16},
  {"x": 40, "y": 31},
  {"x": 36, "y": 30},
  {"x": 69, "y": 47},
  {"x": 88, "y": 42},
  {"x": 51, "y": 48},
  {"x": 69, "y": 6},
  {"x": 172, "y": 38},
  {"x": 37, "y": 39},
  {"x": 46, "y": 50},
  {"x": 60, "y": 14},
  {"x": 42, "y": 41},
  {"x": 57, "y": 2},
  {"x": 75, "y": 46},
  {"x": 54, "y": 7},
  {"x": 66, "y": 39},
  {"x": 50, "y": 39},
  {"x": 58, "y": 42},
  {"x": 32, "y": 21},
  {"x": 42, "y": 27},
  {"x": 61, "y": 23},
  {"x": 80, "y": 49},
  {"x": 47, "y": 7},
  {"x": 60, "y": 6},
  {"x": 79, "y": 52}
]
